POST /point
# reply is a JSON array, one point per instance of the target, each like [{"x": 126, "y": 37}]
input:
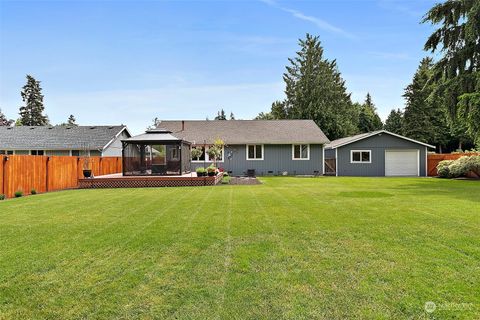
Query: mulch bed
[{"x": 244, "y": 180}]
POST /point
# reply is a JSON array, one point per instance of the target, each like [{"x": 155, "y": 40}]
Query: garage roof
[{"x": 344, "y": 141}]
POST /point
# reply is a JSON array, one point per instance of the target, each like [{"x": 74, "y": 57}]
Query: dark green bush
[
  {"x": 18, "y": 194},
  {"x": 33, "y": 191},
  {"x": 2, "y": 197}
]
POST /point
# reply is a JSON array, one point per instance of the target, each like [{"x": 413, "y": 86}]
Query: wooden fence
[
  {"x": 49, "y": 173},
  {"x": 434, "y": 159}
]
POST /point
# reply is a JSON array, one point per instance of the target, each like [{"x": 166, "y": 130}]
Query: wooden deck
[{"x": 119, "y": 181}]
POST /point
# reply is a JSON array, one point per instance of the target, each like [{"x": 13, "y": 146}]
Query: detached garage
[{"x": 377, "y": 153}]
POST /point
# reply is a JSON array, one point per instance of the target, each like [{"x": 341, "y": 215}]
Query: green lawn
[{"x": 295, "y": 248}]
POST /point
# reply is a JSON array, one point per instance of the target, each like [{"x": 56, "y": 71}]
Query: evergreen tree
[
  {"x": 368, "y": 119},
  {"x": 264, "y": 116},
  {"x": 232, "y": 116},
  {"x": 72, "y": 121},
  {"x": 315, "y": 90},
  {"x": 456, "y": 73},
  {"x": 394, "y": 122},
  {"x": 31, "y": 114},
  {"x": 221, "y": 115},
  {"x": 278, "y": 110},
  {"x": 4, "y": 121},
  {"x": 424, "y": 118}
]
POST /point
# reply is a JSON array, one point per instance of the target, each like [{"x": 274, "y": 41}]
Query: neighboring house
[
  {"x": 269, "y": 147},
  {"x": 63, "y": 140},
  {"x": 377, "y": 153}
]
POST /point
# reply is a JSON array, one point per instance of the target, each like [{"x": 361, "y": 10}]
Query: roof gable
[
  {"x": 348, "y": 140},
  {"x": 247, "y": 131}
]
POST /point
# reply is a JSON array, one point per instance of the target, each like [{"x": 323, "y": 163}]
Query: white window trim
[
  {"x": 207, "y": 158},
  {"x": 300, "y": 144},
  {"x": 255, "y": 159},
  {"x": 356, "y": 162}
]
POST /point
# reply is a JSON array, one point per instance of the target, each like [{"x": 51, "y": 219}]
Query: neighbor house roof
[
  {"x": 344, "y": 141},
  {"x": 59, "y": 137},
  {"x": 247, "y": 131}
]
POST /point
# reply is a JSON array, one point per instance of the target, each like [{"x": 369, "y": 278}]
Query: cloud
[
  {"x": 394, "y": 5},
  {"x": 390, "y": 55},
  {"x": 320, "y": 23}
]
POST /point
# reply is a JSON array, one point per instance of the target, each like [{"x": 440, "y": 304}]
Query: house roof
[
  {"x": 247, "y": 131},
  {"x": 347, "y": 140},
  {"x": 59, "y": 137}
]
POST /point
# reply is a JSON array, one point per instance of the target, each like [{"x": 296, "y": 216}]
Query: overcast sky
[{"x": 112, "y": 62}]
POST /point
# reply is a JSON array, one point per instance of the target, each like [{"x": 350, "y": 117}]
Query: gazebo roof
[{"x": 158, "y": 135}]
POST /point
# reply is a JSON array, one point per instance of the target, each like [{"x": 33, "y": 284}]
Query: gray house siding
[
  {"x": 330, "y": 154},
  {"x": 377, "y": 144},
  {"x": 115, "y": 148},
  {"x": 57, "y": 152},
  {"x": 277, "y": 158}
]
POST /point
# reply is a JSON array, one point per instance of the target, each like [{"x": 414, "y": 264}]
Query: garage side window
[{"x": 361, "y": 156}]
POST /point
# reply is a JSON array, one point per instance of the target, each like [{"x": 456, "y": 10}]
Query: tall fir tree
[
  {"x": 221, "y": 115},
  {"x": 31, "y": 114},
  {"x": 424, "y": 118},
  {"x": 4, "y": 121},
  {"x": 394, "y": 122},
  {"x": 368, "y": 119},
  {"x": 457, "y": 72},
  {"x": 315, "y": 90},
  {"x": 72, "y": 121}
]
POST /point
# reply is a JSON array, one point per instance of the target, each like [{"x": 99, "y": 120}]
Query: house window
[
  {"x": 10, "y": 152},
  {"x": 300, "y": 152},
  {"x": 206, "y": 158},
  {"x": 75, "y": 153},
  {"x": 361, "y": 156},
  {"x": 255, "y": 152},
  {"x": 36, "y": 152}
]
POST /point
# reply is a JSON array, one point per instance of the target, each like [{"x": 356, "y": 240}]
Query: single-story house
[
  {"x": 377, "y": 153},
  {"x": 260, "y": 147},
  {"x": 63, "y": 140}
]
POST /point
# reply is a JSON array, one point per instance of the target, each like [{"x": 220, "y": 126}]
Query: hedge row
[{"x": 468, "y": 166}]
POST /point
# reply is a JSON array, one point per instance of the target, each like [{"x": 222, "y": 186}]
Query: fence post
[{"x": 46, "y": 174}]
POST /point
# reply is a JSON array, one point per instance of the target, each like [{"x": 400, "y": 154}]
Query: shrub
[
  {"x": 475, "y": 165},
  {"x": 211, "y": 168},
  {"x": 442, "y": 168},
  {"x": 18, "y": 194},
  {"x": 2, "y": 197},
  {"x": 461, "y": 167},
  {"x": 33, "y": 191},
  {"x": 201, "y": 170},
  {"x": 458, "y": 167}
]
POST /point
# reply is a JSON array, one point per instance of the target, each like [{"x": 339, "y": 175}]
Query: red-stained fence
[{"x": 49, "y": 173}]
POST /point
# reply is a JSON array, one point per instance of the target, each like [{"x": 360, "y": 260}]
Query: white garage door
[{"x": 401, "y": 162}]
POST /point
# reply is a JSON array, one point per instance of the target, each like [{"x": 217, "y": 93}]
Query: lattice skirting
[{"x": 147, "y": 182}]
